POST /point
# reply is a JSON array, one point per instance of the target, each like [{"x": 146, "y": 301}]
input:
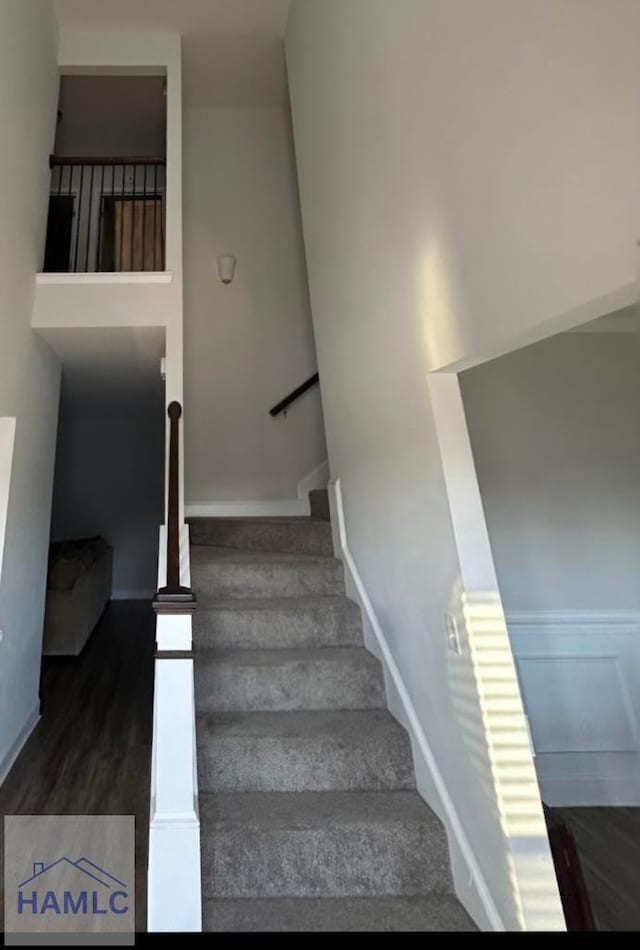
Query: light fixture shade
[{"x": 226, "y": 268}]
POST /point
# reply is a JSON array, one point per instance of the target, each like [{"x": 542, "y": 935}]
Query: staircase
[{"x": 309, "y": 816}]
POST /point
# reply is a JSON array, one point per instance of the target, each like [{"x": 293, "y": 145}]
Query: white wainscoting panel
[{"x": 580, "y": 679}]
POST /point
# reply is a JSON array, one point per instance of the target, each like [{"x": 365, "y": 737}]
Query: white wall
[
  {"x": 29, "y": 373},
  {"x": 554, "y": 430},
  {"x": 247, "y": 345},
  {"x": 493, "y": 149},
  {"x": 468, "y": 174},
  {"x": 110, "y": 481}
]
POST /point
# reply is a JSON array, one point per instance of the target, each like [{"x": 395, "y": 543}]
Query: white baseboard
[
  {"x": 477, "y": 900},
  {"x": 257, "y": 508},
  {"x": 293, "y": 507},
  {"x": 16, "y": 748},
  {"x": 120, "y": 594}
]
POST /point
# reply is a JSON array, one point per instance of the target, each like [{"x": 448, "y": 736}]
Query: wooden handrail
[
  {"x": 57, "y": 160},
  {"x": 300, "y": 391},
  {"x": 173, "y": 598}
]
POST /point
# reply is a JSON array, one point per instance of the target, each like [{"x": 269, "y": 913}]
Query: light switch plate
[{"x": 453, "y": 634}]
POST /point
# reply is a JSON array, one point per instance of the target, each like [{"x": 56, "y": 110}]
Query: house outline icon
[{"x": 83, "y": 865}]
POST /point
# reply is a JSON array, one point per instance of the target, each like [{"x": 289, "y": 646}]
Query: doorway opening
[{"x": 554, "y": 433}]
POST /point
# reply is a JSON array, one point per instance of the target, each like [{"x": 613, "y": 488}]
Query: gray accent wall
[{"x": 110, "y": 482}]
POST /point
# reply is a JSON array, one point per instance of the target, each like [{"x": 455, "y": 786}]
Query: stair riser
[
  {"x": 319, "y": 504},
  {"x": 300, "y": 627},
  {"x": 356, "y": 860},
  {"x": 336, "y": 915},
  {"x": 312, "y": 684},
  {"x": 228, "y": 580},
  {"x": 294, "y": 764},
  {"x": 303, "y": 537}
]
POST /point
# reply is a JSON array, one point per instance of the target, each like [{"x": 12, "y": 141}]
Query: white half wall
[
  {"x": 29, "y": 372},
  {"x": 248, "y": 344},
  {"x": 103, "y": 300}
]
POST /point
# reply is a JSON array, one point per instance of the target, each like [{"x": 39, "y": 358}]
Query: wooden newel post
[{"x": 173, "y": 598}]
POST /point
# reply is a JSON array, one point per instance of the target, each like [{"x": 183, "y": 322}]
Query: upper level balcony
[{"x": 106, "y": 215}]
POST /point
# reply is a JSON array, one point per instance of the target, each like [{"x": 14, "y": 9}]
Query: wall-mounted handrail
[
  {"x": 291, "y": 398},
  {"x": 173, "y": 597}
]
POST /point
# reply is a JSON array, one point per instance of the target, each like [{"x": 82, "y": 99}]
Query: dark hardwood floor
[
  {"x": 90, "y": 754},
  {"x": 608, "y": 844}
]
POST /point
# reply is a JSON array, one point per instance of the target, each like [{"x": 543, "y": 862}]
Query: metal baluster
[
  {"x": 162, "y": 207},
  {"x": 89, "y": 220},
  {"x": 78, "y": 222},
  {"x": 73, "y": 217},
  {"x": 155, "y": 213},
  {"x": 144, "y": 217},
  {"x": 100, "y": 220},
  {"x": 122, "y": 203},
  {"x": 133, "y": 217}
]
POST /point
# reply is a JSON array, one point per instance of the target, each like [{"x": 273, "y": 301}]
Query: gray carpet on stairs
[{"x": 309, "y": 816}]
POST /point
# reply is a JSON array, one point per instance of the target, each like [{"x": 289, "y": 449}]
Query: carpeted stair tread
[
  {"x": 222, "y": 573},
  {"x": 322, "y": 844},
  {"x": 287, "y": 679},
  {"x": 298, "y": 751},
  {"x": 268, "y": 622}
]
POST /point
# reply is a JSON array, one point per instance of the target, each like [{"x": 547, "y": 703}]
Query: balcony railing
[{"x": 106, "y": 215}]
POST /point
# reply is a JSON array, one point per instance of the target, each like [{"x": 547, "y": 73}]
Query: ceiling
[
  {"x": 109, "y": 369},
  {"x": 232, "y": 50}
]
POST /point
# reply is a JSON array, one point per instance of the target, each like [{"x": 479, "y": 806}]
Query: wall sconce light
[{"x": 226, "y": 268}]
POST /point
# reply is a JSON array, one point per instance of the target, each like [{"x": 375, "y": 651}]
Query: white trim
[
  {"x": 123, "y": 279},
  {"x": 7, "y": 442},
  {"x": 591, "y": 791},
  {"x": 19, "y": 742},
  {"x": 293, "y": 507},
  {"x": 121, "y": 594},
  {"x": 594, "y": 622},
  {"x": 259, "y": 508},
  {"x": 420, "y": 742}
]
